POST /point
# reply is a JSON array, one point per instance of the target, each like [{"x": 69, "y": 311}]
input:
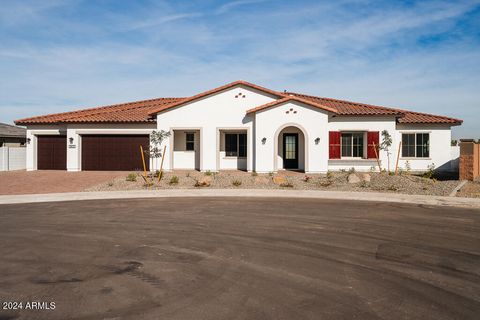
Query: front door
[{"x": 290, "y": 150}]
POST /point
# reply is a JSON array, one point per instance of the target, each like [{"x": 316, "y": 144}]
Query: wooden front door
[{"x": 290, "y": 150}]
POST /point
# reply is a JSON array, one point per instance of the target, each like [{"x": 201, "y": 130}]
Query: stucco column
[{"x": 74, "y": 159}]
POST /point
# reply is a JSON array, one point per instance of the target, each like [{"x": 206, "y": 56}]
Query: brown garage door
[
  {"x": 51, "y": 152},
  {"x": 114, "y": 152}
]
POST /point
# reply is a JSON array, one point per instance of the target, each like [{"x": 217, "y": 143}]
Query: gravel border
[{"x": 335, "y": 181}]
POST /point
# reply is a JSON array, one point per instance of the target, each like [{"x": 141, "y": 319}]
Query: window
[
  {"x": 415, "y": 145},
  {"x": 190, "y": 141},
  {"x": 352, "y": 145},
  {"x": 236, "y": 144}
]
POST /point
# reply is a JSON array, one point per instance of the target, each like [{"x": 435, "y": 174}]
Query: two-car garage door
[
  {"x": 99, "y": 152},
  {"x": 114, "y": 152}
]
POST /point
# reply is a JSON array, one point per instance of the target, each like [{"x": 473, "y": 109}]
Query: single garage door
[
  {"x": 114, "y": 152},
  {"x": 51, "y": 152}
]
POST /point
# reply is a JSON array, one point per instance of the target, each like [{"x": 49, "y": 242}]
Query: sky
[{"x": 61, "y": 55}]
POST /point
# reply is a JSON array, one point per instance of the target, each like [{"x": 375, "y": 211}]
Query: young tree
[
  {"x": 155, "y": 150},
  {"x": 386, "y": 144},
  {"x": 156, "y": 140}
]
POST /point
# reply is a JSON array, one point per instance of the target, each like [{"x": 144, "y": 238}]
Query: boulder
[
  {"x": 279, "y": 180},
  {"x": 366, "y": 177},
  {"x": 353, "y": 178},
  {"x": 205, "y": 181}
]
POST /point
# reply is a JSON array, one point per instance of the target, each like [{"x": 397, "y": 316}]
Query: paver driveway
[
  {"x": 51, "y": 181},
  {"x": 240, "y": 258}
]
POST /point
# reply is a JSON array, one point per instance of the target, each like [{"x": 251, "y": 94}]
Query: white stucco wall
[
  {"x": 212, "y": 114},
  {"x": 12, "y": 158},
  {"x": 362, "y": 124},
  {"x": 311, "y": 121},
  {"x": 440, "y": 146}
]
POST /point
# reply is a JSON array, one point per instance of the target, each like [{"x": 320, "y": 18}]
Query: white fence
[{"x": 12, "y": 158}]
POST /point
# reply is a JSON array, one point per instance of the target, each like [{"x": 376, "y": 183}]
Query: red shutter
[
  {"x": 334, "y": 144},
  {"x": 372, "y": 137}
]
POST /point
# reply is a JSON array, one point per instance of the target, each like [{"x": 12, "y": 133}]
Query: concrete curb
[{"x": 256, "y": 193}]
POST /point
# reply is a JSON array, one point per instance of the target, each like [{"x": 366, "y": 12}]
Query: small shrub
[
  {"x": 254, "y": 174},
  {"x": 132, "y": 177},
  {"x": 408, "y": 167},
  {"x": 329, "y": 175},
  {"x": 110, "y": 183},
  {"x": 173, "y": 180},
  {"x": 208, "y": 173},
  {"x": 236, "y": 183},
  {"x": 156, "y": 173},
  {"x": 352, "y": 170},
  {"x": 270, "y": 174},
  {"x": 430, "y": 172},
  {"x": 306, "y": 178},
  {"x": 372, "y": 169},
  {"x": 343, "y": 170},
  {"x": 286, "y": 185},
  {"x": 400, "y": 171},
  {"x": 363, "y": 184},
  {"x": 188, "y": 175},
  {"x": 391, "y": 173}
]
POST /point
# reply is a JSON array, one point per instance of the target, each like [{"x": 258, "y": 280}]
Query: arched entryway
[{"x": 290, "y": 148}]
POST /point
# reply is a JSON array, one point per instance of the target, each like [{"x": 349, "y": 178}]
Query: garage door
[
  {"x": 51, "y": 152},
  {"x": 114, "y": 152}
]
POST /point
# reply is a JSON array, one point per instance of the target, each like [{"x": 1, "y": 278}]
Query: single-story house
[
  {"x": 239, "y": 126},
  {"x": 12, "y": 136}
]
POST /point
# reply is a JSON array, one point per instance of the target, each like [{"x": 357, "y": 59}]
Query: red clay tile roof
[
  {"x": 291, "y": 98},
  {"x": 132, "y": 112},
  {"x": 145, "y": 111},
  {"x": 216, "y": 90},
  {"x": 349, "y": 108}
]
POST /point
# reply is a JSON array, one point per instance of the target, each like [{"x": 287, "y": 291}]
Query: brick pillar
[{"x": 467, "y": 166}]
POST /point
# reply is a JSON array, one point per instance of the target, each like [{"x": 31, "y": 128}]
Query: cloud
[
  {"x": 231, "y": 5},
  {"x": 365, "y": 51}
]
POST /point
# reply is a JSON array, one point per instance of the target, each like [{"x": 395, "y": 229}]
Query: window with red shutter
[
  {"x": 373, "y": 139},
  {"x": 334, "y": 144}
]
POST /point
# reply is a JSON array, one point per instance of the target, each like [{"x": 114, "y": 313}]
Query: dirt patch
[{"x": 334, "y": 181}]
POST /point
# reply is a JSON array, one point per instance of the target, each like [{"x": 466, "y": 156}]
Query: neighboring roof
[
  {"x": 216, "y": 90},
  {"x": 291, "y": 98},
  {"x": 144, "y": 111},
  {"x": 7, "y": 130},
  {"x": 132, "y": 112}
]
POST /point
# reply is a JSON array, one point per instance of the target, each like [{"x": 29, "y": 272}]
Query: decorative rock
[
  {"x": 366, "y": 177},
  {"x": 205, "y": 181},
  {"x": 279, "y": 180},
  {"x": 353, "y": 178}
]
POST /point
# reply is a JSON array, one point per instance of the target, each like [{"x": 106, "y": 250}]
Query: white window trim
[
  {"x": 364, "y": 151},
  {"x": 415, "y": 133}
]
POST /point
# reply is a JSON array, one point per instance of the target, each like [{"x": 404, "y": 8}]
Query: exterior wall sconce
[
  {"x": 317, "y": 140},
  {"x": 70, "y": 140},
  {"x": 28, "y": 140},
  {"x": 264, "y": 140}
]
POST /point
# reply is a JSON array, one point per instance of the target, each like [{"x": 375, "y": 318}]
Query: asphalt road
[{"x": 239, "y": 259}]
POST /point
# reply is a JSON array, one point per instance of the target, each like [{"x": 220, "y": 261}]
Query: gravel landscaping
[
  {"x": 470, "y": 190},
  {"x": 335, "y": 181}
]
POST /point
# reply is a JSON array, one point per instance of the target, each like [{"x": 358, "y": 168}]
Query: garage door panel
[
  {"x": 51, "y": 152},
  {"x": 113, "y": 152}
]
